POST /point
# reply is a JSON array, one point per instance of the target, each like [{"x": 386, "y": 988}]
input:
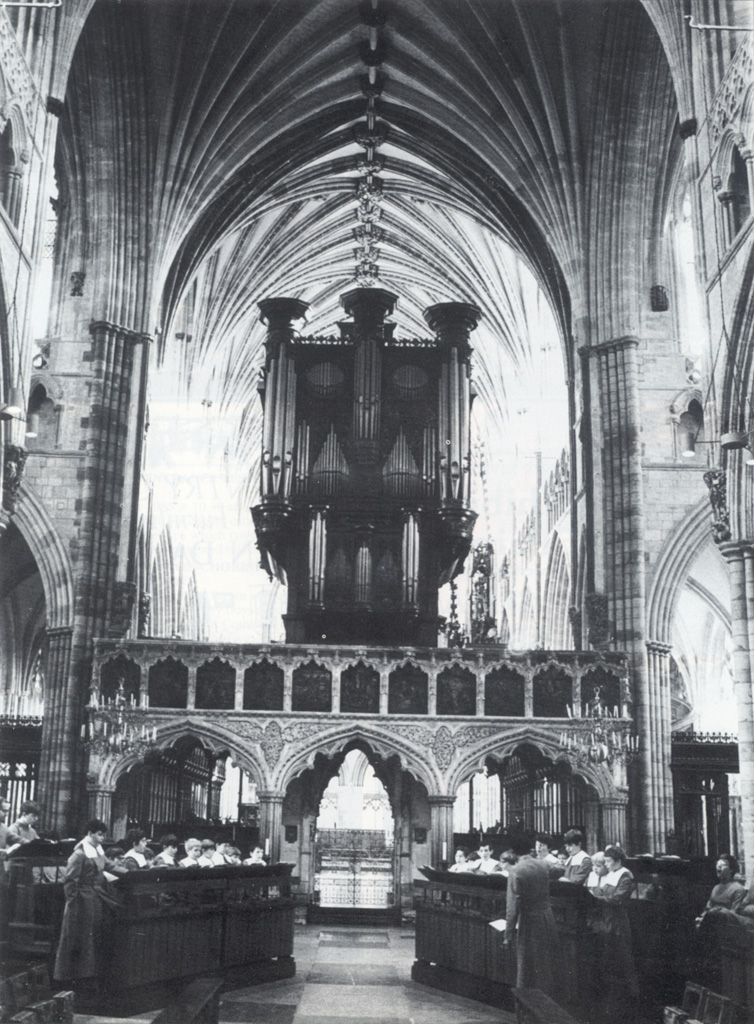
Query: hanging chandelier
[
  {"x": 116, "y": 725},
  {"x": 600, "y": 735}
]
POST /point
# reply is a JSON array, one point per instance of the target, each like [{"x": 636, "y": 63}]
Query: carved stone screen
[
  {"x": 456, "y": 691},
  {"x": 263, "y": 687},
  {"x": 215, "y": 685},
  {"x": 408, "y": 691},
  {"x": 360, "y": 689},
  {"x": 504, "y": 693},
  {"x": 111, "y": 674},
  {"x": 552, "y": 693},
  {"x": 168, "y": 684},
  {"x": 312, "y": 688},
  {"x": 603, "y": 686}
]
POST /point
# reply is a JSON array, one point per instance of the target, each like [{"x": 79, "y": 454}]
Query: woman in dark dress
[
  {"x": 86, "y": 898},
  {"x": 616, "y": 971},
  {"x": 530, "y": 925},
  {"x": 728, "y": 894}
]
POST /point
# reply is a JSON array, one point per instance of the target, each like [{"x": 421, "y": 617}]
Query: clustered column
[
  {"x": 740, "y": 558},
  {"x": 271, "y": 822},
  {"x": 104, "y": 591},
  {"x": 613, "y": 368},
  {"x": 441, "y": 827},
  {"x": 659, "y": 739}
]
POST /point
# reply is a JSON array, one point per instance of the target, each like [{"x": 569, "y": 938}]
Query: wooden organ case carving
[{"x": 365, "y": 475}]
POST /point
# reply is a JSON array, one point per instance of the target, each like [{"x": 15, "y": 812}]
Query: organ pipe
[
  {"x": 363, "y": 573},
  {"x": 317, "y": 550}
]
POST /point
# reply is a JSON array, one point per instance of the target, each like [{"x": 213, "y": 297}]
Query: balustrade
[{"x": 469, "y": 682}]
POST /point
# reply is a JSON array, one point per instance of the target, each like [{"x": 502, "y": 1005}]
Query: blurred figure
[
  {"x": 168, "y": 856},
  {"x": 83, "y": 935},
  {"x": 729, "y": 895},
  {"x": 220, "y": 856},
  {"x": 487, "y": 865},
  {"x": 233, "y": 855},
  {"x": 579, "y": 864},
  {"x": 530, "y": 925},
  {"x": 619, "y": 985},
  {"x": 461, "y": 861},
  {"x": 117, "y": 855},
  {"x": 542, "y": 846},
  {"x": 22, "y": 830},
  {"x": 207, "y": 858},
  {"x": 136, "y": 841},
  {"x": 193, "y": 853},
  {"x": 599, "y": 869}
]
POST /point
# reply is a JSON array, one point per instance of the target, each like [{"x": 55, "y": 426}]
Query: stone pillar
[
  {"x": 594, "y": 837},
  {"x": 441, "y": 827},
  {"x": 659, "y": 739},
  {"x": 60, "y": 743},
  {"x": 614, "y": 820},
  {"x": 613, "y": 371},
  {"x": 104, "y": 593},
  {"x": 740, "y": 558},
  {"x": 191, "y": 687},
  {"x": 726, "y": 200},
  {"x": 271, "y": 821},
  {"x": 101, "y": 804}
]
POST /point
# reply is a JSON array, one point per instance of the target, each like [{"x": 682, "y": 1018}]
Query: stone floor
[{"x": 346, "y": 976}]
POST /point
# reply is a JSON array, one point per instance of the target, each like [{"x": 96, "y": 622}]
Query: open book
[{"x": 498, "y": 925}]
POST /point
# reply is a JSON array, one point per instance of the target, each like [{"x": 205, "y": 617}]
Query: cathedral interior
[{"x": 375, "y": 400}]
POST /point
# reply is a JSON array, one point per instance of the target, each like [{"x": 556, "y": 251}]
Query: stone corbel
[
  {"x": 122, "y": 600},
  {"x": 13, "y": 471},
  {"x": 598, "y": 623}
]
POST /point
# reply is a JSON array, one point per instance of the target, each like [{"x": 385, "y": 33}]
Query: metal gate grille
[{"x": 354, "y": 869}]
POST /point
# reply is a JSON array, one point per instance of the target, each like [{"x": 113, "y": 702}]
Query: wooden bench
[
  {"x": 27, "y": 997},
  {"x": 198, "y": 1003},
  {"x": 534, "y": 1007},
  {"x": 701, "y": 1006}
]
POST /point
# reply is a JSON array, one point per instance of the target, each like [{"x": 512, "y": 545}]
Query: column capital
[
  {"x": 271, "y": 796},
  {"x": 616, "y": 801},
  {"x": 108, "y": 327},
  {"x": 441, "y": 800},
  {"x": 734, "y": 550},
  {"x": 612, "y": 345},
  {"x": 659, "y": 647},
  {"x": 279, "y": 312}
]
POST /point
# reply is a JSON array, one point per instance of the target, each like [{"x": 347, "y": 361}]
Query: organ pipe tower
[{"x": 365, "y": 472}]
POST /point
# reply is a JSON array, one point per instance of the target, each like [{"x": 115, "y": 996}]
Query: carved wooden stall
[
  {"x": 169, "y": 926},
  {"x": 177, "y": 925},
  {"x": 458, "y": 951}
]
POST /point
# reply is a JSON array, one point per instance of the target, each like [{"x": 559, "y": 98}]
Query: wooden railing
[
  {"x": 456, "y": 949},
  {"x": 169, "y": 926}
]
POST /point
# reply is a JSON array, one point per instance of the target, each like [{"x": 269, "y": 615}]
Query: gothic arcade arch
[
  {"x": 384, "y": 742},
  {"x": 208, "y": 734}
]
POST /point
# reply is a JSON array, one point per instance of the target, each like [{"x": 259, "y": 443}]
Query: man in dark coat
[{"x": 530, "y": 925}]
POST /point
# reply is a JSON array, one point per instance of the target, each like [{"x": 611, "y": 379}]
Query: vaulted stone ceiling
[
  {"x": 209, "y": 157},
  {"x": 235, "y": 113}
]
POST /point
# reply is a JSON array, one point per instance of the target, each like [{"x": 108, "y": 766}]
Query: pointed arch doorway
[
  {"x": 363, "y": 818},
  {"x": 354, "y": 841}
]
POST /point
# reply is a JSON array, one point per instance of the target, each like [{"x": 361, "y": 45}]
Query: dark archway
[{"x": 355, "y": 869}]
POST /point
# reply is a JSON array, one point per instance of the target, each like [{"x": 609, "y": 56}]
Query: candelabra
[
  {"x": 117, "y": 725},
  {"x": 601, "y": 735}
]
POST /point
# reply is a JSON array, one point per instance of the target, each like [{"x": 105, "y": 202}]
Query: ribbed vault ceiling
[{"x": 502, "y": 120}]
